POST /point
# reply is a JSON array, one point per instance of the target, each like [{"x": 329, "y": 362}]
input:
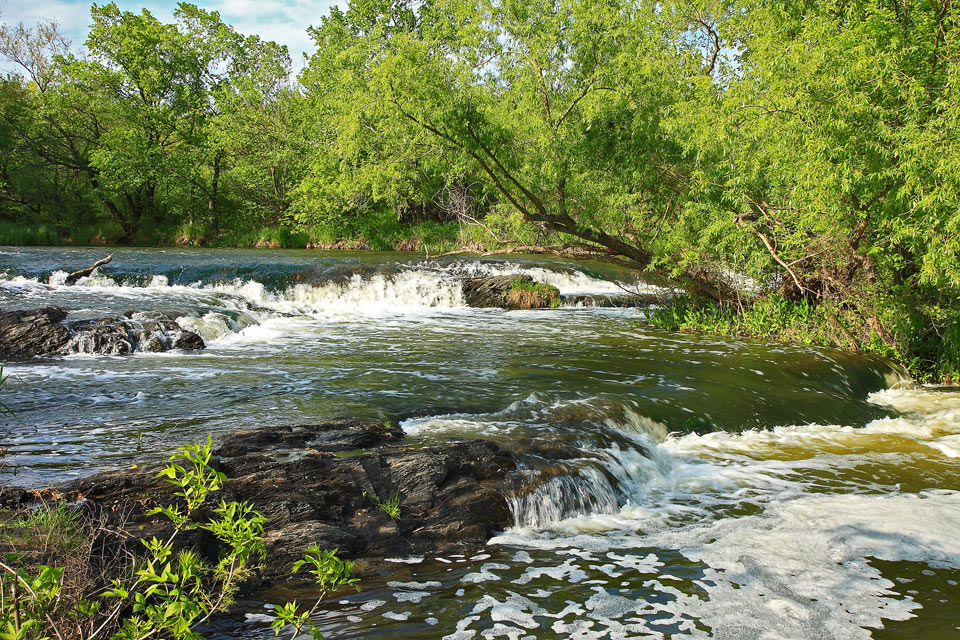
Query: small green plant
[
  {"x": 390, "y": 506},
  {"x": 47, "y": 518},
  {"x": 166, "y": 593},
  {"x": 330, "y": 573}
]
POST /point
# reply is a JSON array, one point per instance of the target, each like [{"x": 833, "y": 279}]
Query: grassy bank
[
  {"x": 375, "y": 235},
  {"x": 930, "y": 352}
]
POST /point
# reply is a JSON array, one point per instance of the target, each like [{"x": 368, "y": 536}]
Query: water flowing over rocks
[
  {"x": 318, "y": 483},
  {"x": 45, "y": 332},
  {"x": 509, "y": 292}
]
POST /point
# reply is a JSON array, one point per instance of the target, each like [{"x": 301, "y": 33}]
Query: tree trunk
[{"x": 212, "y": 201}]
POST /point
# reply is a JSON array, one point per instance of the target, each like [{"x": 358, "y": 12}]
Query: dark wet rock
[
  {"x": 509, "y": 292},
  {"x": 328, "y": 436},
  {"x": 24, "y": 334},
  {"x": 148, "y": 332},
  {"x": 625, "y": 300},
  {"x": 448, "y": 495},
  {"x": 44, "y": 332}
]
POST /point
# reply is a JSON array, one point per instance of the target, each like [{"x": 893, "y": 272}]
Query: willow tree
[
  {"x": 555, "y": 106},
  {"x": 830, "y": 148}
]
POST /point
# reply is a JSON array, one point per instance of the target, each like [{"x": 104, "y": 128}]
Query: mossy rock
[
  {"x": 524, "y": 293},
  {"x": 509, "y": 292}
]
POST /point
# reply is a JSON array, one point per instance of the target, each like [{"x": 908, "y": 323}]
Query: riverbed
[{"x": 724, "y": 488}]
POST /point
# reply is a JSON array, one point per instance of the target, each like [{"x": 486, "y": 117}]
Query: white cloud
[{"x": 284, "y": 21}]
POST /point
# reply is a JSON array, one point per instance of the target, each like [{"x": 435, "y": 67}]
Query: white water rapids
[{"x": 672, "y": 485}]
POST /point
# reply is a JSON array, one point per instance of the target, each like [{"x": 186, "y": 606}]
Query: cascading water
[
  {"x": 600, "y": 477},
  {"x": 670, "y": 486}
]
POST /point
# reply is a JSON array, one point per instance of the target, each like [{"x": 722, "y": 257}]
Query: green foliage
[
  {"x": 930, "y": 354},
  {"x": 390, "y": 506},
  {"x": 25, "y": 617},
  {"x": 330, "y": 574},
  {"x": 29, "y": 235},
  {"x": 168, "y": 590},
  {"x": 741, "y": 150},
  {"x": 525, "y": 294}
]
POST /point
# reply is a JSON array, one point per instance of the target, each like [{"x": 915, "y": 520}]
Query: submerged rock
[
  {"x": 315, "y": 487},
  {"x": 44, "y": 332}
]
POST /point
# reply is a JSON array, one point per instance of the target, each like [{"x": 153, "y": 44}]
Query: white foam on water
[
  {"x": 800, "y": 567},
  {"x": 929, "y": 420},
  {"x": 796, "y": 563},
  {"x": 947, "y": 445},
  {"x": 259, "y": 617},
  {"x": 486, "y": 573},
  {"x": 803, "y": 566},
  {"x": 408, "y": 560},
  {"x": 411, "y": 596},
  {"x": 370, "y": 605},
  {"x": 569, "y": 282},
  {"x": 430, "y": 584},
  {"x": 400, "y": 617}
]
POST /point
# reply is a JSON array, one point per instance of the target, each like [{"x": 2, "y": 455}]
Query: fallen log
[{"x": 82, "y": 273}]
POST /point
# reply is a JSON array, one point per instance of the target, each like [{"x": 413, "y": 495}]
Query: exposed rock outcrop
[
  {"x": 147, "y": 332},
  {"x": 32, "y": 332},
  {"x": 314, "y": 486},
  {"x": 44, "y": 332},
  {"x": 509, "y": 292}
]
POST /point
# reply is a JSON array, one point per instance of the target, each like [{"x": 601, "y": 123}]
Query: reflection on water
[{"x": 674, "y": 486}]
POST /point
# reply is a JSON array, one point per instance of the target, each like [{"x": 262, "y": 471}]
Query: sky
[{"x": 285, "y": 21}]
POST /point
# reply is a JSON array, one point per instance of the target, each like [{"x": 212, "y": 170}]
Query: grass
[
  {"x": 524, "y": 294},
  {"x": 930, "y": 352},
  {"x": 51, "y": 534},
  {"x": 390, "y": 506},
  {"x": 29, "y": 235}
]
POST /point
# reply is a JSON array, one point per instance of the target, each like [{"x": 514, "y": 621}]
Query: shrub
[{"x": 166, "y": 592}]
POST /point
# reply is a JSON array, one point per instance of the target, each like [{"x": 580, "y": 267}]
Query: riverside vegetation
[
  {"x": 785, "y": 154},
  {"x": 73, "y": 576}
]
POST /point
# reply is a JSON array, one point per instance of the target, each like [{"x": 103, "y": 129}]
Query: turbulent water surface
[{"x": 722, "y": 489}]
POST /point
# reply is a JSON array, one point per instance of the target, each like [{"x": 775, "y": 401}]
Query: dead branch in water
[{"x": 82, "y": 273}]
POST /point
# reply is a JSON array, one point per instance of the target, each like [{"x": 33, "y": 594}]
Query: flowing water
[{"x": 709, "y": 488}]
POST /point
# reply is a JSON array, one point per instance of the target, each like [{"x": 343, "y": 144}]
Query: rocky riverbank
[{"x": 322, "y": 484}]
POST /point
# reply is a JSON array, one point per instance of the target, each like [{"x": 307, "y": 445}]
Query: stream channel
[{"x": 726, "y": 489}]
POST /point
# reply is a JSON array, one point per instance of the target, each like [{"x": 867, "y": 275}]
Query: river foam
[{"x": 228, "y": 308}]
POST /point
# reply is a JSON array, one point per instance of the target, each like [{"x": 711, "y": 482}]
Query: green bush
[{"x": 165, "y": 592}]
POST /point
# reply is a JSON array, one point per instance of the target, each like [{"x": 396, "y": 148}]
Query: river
[{"x": 723, "y": 488}]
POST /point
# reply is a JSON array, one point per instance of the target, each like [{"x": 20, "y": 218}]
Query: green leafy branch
[{"x": 330, "y": 573}]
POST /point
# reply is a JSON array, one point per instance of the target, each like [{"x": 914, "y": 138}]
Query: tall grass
[{"x": 29, "y": 235}]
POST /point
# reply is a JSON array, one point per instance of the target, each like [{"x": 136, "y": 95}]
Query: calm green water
[{"x": 718, "y": 488}]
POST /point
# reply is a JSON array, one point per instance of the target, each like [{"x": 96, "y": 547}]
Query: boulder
[
  {"x": 45, "y": 332},
  {"x": 32, "y": 332},
  {"x": 509, "y": 292},
  {"x": 315, "y": 486}
]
